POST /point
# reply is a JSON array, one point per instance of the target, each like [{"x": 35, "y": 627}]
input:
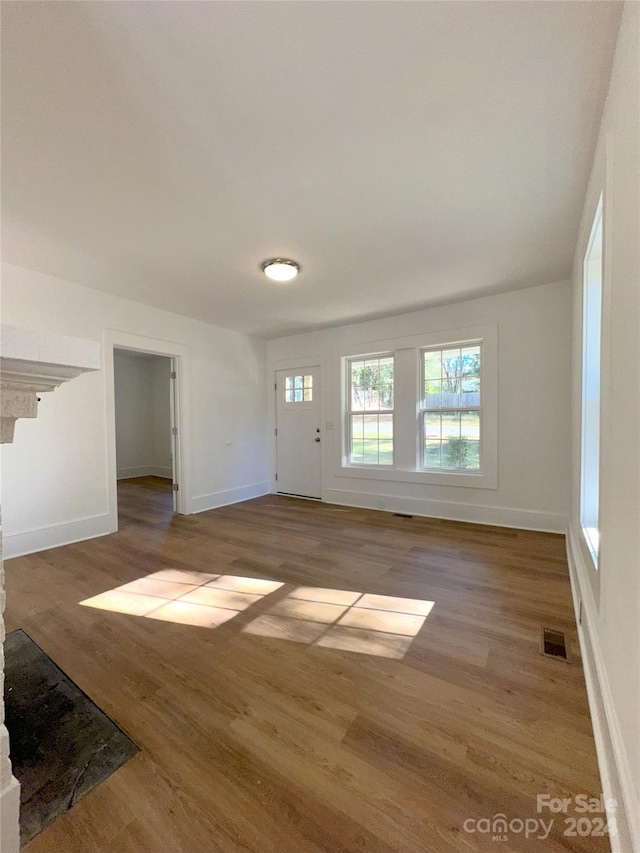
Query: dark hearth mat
[{"x": 62, "y": 744}]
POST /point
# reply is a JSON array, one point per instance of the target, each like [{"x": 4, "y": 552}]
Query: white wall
[
  {"x": 56, "y": 484},
  {"x": 143, "y": 424},
  {"x": 610, "y": 631},
  {"x": 534, "y": 327}
]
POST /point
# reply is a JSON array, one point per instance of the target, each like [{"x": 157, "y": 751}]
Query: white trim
[
  {"x": 145, "y": 471},
  {"x": 498, "y": 516},
  {"x": 615, "y": 772},
  {"x": 115, "y": 338},
  {"x": 54, "y": 535},
  {"x": 202, "y": 503}
]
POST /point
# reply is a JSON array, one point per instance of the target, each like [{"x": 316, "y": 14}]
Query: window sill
[
  {"x": 592, "y": 541},
  {"x": 476, "y": 480}
]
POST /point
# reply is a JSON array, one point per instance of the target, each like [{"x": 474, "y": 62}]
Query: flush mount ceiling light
[{"x": 280, "y": 269}]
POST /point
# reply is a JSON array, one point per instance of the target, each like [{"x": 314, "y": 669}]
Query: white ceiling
[{"x": 406, "y": 153}]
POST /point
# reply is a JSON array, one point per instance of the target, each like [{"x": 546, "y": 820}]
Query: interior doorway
[
  {"x": 146, "y": 435},
  {"x": 298, "y": 432}
]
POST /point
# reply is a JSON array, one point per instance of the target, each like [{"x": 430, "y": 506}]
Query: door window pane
[{"x": 298, "y": 389}]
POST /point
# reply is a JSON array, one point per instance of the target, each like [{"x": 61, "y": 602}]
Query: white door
[{"x": 298, "y": 436}]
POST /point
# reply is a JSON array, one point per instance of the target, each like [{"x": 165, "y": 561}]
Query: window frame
[
  {"x": 590, "y": 422},
  {"x": 349, "y": 412},
  {"x": 407, "y": 396},
  {"x": 423, "y": 410}
]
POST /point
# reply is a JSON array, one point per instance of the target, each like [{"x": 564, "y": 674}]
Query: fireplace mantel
[{"x": 33, "y": 363}]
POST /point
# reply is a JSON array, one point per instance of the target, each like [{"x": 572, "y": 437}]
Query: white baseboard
[
  {"x": 498, "y": 516},
  {"x": 54, "y": 535},
  {"x": 202, "y": 503},
  {"x": 615, "y": 772},
  {"x": 166, "y": 473},
  {"x": 144, "y": 471}
]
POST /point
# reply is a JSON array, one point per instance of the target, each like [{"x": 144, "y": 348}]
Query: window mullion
[{"x": 406, "y": 434}]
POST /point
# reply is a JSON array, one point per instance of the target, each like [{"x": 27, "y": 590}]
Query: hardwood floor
[{"x": 262, "y": 743}]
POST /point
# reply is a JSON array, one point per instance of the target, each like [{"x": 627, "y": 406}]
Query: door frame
[
  {"x": 114, "y": 339},
  {"x": 290, "y": 364}
]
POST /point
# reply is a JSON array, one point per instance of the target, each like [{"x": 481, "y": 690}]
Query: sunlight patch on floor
[
  {"x": 381, "y": 625},
  {"x": 189, "y": 598}
]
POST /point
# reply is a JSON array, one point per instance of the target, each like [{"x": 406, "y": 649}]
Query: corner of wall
[{"x": 615, "y": 772}]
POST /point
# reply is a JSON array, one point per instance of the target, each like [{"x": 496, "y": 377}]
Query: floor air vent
[
  {"x": 402, "y": 515},
  {"x": 553, "y": 644}
]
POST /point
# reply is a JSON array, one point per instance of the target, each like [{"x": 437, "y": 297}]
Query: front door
[{"x": 298, "y": 437}]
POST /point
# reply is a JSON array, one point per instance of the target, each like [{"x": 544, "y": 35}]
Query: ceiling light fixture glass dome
[{"x": 280, "y": 269}]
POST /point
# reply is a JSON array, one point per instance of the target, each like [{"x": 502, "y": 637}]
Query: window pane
[
  {"x": 356, "y": 456},
  {"x": 385, "y": 453},
  {"x": 432, "y": 454},
  {"x": 432, "y": 426},
  {"x": 288, "y": 382},
  {"x": 455, "y": 452},
  {"x": 372, "y": 384},
  {"x": 357, "y": 385},
  {"x": 470, "y": 425},
  {"x": 288, "y": 395},
  {"x": 385, "y": 397},
  {"x": 308, "y": 381},
  {"x": 432, "y": 365},
  {"x": 472, "y": 460},
  {"x": 386, "y": 383},
  {"x": 308, "y": 395},
  {"x": 371, "y": 426},
  {"x": 298, "y": 395},
  {"x": 356, "y": 450},
  {"x": 591, "y": 334},
  {"x": 386, "y": 426},
  {"x": 452, "y": 377},
  {"x": 450, "y": 425},
  {"x": 297, "y": 381},
  {"x": 371, "y": 439},
  {"x": 452, "y": 440},
  {"x": 470, "y": 359},
  {"x": 433, "y": 393},
  {"x": 371, "y": 453},
  {"x": 470, "y": 393}
]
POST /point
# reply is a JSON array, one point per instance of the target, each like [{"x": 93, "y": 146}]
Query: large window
[
  {"x": 591, "y": 334},
  {"x": 451, "y": 408},
  {"x": 370, "y": 410},
  {"x": 420, "y": 408}
]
